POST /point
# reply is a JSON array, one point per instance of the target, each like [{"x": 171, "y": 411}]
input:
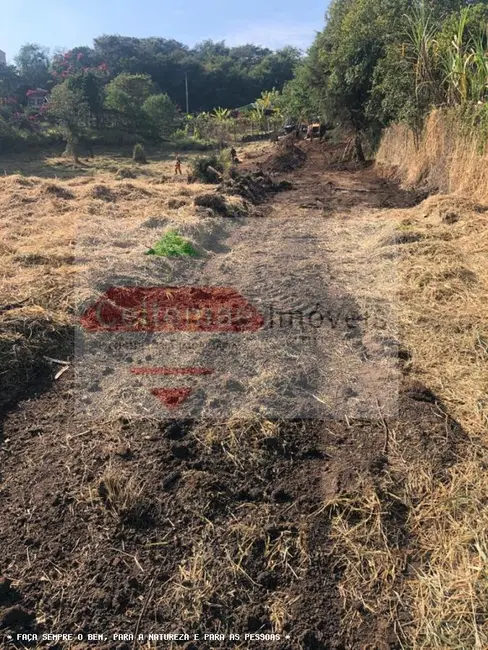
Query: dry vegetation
[
  {"x": 444, "y": 274},
  {"x": 411, "y": 539},
  {"x": 108, "y": 200},
  {"x": 448, "y": 156},
  {"x": 433, "y": 261}
]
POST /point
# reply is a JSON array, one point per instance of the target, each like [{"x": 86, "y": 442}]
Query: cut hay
[
  {"x": 430, "y": 588},
  {"x": 42, "y": 266}
]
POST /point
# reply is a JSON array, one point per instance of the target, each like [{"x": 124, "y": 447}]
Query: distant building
[
  {"x": 37, "y": 97},
  {"x": 3, "y": 58}
]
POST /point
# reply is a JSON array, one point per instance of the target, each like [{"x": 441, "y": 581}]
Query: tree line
[
  {"x": 135, "y": 84},
  {"x": 381, "y": 61}
]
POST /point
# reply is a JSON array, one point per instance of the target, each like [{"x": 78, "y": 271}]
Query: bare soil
[{"x": 121, "y": 525}]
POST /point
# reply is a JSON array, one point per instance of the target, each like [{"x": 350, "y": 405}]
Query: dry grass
[
  {"x": 443, "y": 303},
  {"x": 119, "y": 493},
  {"x": 56, "y": 232},
  {"x": 440, "y": 577},
  {"x": 445, "y": 159},
  {"x": 241, "y": 439},
  {"x": 436, "y": 258}
]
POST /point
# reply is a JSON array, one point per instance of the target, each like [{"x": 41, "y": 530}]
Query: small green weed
[{"x": 173, "y": 245}]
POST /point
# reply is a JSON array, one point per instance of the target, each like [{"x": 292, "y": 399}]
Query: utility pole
[{"x": 186, "y": 88}]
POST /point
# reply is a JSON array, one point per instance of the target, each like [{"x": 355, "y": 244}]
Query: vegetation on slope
[
  {"x": 383, "y": 61},
  {"x": 132, "y": 85}
]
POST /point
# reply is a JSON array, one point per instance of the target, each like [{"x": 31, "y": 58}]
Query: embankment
[{"x": 449, "y": 156}]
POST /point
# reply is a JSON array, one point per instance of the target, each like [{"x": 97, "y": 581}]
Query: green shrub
[
  {"x": 138, "y": 154},
  {"x": 10, "y": 137},
  {"x": 184, "y": 142},
  {"x": 173, "y": 245},
  {"x": 202, "y": 169}
]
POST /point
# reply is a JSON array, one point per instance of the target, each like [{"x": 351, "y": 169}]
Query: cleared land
[{"x": 357, "y": 527}]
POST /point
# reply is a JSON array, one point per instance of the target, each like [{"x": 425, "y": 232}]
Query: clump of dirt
[
  {"x": 25, "y": 341},
  {"x": 286, "y": 158},
  {"x": 215, "y": 202},
  {"x": 254, "y": 187}
]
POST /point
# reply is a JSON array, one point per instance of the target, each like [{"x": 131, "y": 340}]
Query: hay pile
[
  {"x": 42, "y": 264},
  {"x": 431, "y": 260}
]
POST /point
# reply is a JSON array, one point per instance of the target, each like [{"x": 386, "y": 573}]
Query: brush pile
[
  {"x": 286, "y": 158},
  {"x": 254, "y": 187}
]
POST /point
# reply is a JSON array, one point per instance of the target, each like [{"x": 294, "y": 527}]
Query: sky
[{"x": 68, "y": 23}]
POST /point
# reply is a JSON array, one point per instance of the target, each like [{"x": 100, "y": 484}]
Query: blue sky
[{"x": 67, "y": 23}]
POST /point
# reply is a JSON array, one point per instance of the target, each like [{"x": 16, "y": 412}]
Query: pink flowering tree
[{"x": 83, "y": 72}]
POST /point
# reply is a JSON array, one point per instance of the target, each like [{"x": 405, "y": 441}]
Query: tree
[
  {"x": 162, "y": 115},
  {"x": 32, "y": 62},
  {"x": 275, "y": 69},
  {"x": 76, "y": 61},
  {"x": 381, "y": 60},
  {"x": 70, "y": 110},
  {"x": 9, "y": 81},
  {"x": 127, "y": 94},
  {"x": 338, "y": 77},
  {"x": 300, "y": 99},
  {"x": 90, "y": 84}
]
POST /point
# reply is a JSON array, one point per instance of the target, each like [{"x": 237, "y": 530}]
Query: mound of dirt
[
  {"x": 286, "y": 158},
  {"x": 22, "y": 356},
  {"x": 213, "y": 201},
  {"x": 253, "y": 187},
  {"x": 449, "y": 209}
]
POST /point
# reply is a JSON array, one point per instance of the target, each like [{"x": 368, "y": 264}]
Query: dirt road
[{"x": 220, "y": 524}]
